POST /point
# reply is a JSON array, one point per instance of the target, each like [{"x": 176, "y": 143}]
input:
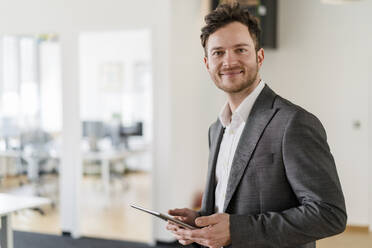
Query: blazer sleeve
[{"x": 311, "y": 172}]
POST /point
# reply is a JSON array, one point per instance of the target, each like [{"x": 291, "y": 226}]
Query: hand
[
  {"x": 186, "y": 215},
  {"x": 215, "y": 231}
]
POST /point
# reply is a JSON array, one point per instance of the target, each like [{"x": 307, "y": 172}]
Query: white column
[
  {"x": 6, "y": 235},
  {"x": 1, "y": 71},
  {"x": 71, "y": 163},
  {"x": 369, "y": 125},
  {"x": 369, "y": 197},
  {"x": 161, "y": 118}
]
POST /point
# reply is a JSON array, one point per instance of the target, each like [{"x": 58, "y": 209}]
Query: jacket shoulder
[
  {"x": 292, "y": 110},
  {"x": 297, "y": 116}
]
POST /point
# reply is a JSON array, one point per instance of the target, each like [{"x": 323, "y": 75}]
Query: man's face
[{"x": 232, "y": 61}]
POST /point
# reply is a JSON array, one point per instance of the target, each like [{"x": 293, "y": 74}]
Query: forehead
[{"x": 230, "y": 35}]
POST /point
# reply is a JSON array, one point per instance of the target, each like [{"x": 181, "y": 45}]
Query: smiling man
[{"x": 272, "y": 181}]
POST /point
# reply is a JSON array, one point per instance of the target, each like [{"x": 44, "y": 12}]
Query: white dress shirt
[{"x": 234, "y": 124}]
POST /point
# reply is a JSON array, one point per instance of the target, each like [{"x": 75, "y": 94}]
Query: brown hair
[{"x": 225, "y": 14}]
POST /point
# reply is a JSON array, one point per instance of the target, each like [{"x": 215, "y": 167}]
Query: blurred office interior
[
  {"x": 107, "y": 103},
  {"x": 116, "y": 124}
]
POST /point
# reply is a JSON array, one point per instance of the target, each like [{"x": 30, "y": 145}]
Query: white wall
[{"x": 323, "y": 63}]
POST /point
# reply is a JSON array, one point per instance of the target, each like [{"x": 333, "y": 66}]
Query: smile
[{"x": 230, "y": 73}]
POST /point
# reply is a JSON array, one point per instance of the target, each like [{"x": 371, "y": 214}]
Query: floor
[
  {"x": 110, "y": 216},
  {"x": 349, "y": 239},
  {"x": 103, "y": 215},
  {"x": 38, "y": 240}
]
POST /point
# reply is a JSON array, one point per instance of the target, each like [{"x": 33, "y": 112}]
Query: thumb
[{"x": 207, "y": 220}]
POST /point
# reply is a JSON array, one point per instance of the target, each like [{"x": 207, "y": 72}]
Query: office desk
[
  {"x": 10, "y": 153},
  {"x": 6, "y": 155},
  {"x": 106, "y": 157},
  {"x": 32, "y": 163},
  {"x": 9, "y": 204}
]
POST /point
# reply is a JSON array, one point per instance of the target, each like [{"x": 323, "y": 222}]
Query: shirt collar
[{"x": 243, "y": 110}]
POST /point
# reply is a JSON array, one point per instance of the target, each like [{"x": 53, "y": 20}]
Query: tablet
[{"x": 165, "y": 217}]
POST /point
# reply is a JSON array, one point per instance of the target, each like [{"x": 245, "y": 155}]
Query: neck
[{"x": 235, "y": 99}]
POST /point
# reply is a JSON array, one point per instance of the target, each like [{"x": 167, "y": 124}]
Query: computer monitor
[
  {"x": 136, "y": 129},
  {"x": 94, "y": 131}
]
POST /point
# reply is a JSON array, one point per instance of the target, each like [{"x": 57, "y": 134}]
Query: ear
[
  {"x": 206, "y": 62},
  {"x": 260, "y": 56}
]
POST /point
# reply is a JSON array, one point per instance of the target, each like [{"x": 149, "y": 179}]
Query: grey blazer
[{"x": 283, "y": 188}]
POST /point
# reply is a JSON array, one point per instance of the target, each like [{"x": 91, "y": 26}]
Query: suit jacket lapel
[
  {"x": 216, "y": 138},
  {"x": 260, "y": 116}
]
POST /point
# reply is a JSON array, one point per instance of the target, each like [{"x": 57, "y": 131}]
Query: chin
[
  {"x": 233, "y": 86},
  {"x": 230, "y": 89}
]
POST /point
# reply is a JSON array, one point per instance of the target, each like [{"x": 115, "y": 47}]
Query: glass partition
[
  {"x": 116, "y": 117},
  {"x": 30, "y": 124}
]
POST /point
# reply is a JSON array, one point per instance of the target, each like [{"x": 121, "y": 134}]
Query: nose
[{"x": 229, "y": 59}]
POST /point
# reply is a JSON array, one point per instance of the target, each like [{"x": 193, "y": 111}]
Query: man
[{"x": 272, "y": 181}]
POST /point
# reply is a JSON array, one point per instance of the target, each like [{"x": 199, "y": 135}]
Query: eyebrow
[{"x": 237, "y": 45}]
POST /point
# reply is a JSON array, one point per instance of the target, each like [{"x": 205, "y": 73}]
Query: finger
[
  {"x": 176, "y": 224},
  {"x": 193, "y": 234},
  {"x": 170, "y": 224},
  {"x": 185, "y": 234},
  {"x": 178, "y": 212},
  {"x": 177, "y": 234},
  {"x": 183, "y": 219},
  {"x": 203, "y": 242},
  {"x": 185, "y": 241},
  {"x": 200, "y": 236},
  {"x": 180, "y": 237},
  {"x": 171, "y": 228},
  {"x": 207, "y": 220}
]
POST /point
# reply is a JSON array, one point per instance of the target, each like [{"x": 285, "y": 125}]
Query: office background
[{"x": 322, "y": 63}]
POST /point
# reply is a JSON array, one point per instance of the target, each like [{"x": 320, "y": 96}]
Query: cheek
[
  {"x": 213, "y": 76},
  {"x": 213, "y": 67}
]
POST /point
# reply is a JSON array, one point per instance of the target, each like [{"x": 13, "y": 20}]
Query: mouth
[{"x": 231, "y": 73}]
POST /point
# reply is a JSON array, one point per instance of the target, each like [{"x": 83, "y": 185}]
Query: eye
[
  {"x": 242, "y": 50},
  {"x": 217, "y": 53}
]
